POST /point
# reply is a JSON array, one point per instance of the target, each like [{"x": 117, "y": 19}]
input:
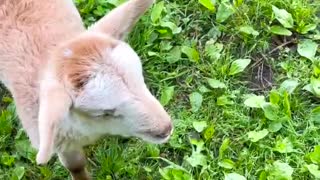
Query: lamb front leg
[{"x": 75, "y": 162}]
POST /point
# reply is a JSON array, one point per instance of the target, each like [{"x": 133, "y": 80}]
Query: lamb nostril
[{"x": 165, "y": 133}]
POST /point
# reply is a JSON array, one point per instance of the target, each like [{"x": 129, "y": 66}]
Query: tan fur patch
[{"x": 83, "y": 55}]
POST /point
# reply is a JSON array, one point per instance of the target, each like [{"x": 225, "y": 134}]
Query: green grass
[{"x": 244, "y": 99}]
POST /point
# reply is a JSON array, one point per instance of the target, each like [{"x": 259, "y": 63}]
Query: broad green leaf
[
  {"x": 166, "y": 95},
  {"x": 174, "y": 55},
  {"x": 234, "y": 176},
  {"x": 238, "y": 66},
  {"x": 197, "y": 159},
  {"x": 315, "y": 155},
  {"x": 214, "y": 83},
  {"x": 307, "y": 28},
  {"x": 238, "y": 3},
  {"x": 289, "y": 85},
  {"x": 209, "y": 133},
  {"x": 208, "y": 4},
  {"x": 283, "y": 146},
  {"x": 18, "y": 173},
  {"x": 224, "y": 100},
  {"x": 307, "y": 48},
  {"x": 172, "y": 26},
  {"x": 280, "y": 170},
  {"x": 255, "y": 136},
  {"x": 199, "y": 126},
  {"x": 314, "y": 170},
  {"x": 192, "y": 53},
  {"x": 315, "y": 116},
  {"x": 156, "y": 11},
  {"x": 275, "y": 126},
  {"x": 248, "y": 30},
  {"x": 274, "y": 97},
  {"x": 24, "y": 149},
  {"x": 6, "y": 159},
  {"x": 227, "y": 164},
  {"x": 280, "y": 31},
  {"x": 170, "y": 173},
  {"x": 271, "y": 111},
  {"x": 195, "y": 101},
  {"x": 225, "y": 10},
  {"x": 224, "y": 146},
  {"x": 255, "y": 101},
  {"x": 204, "y": 89},
  {"x": 283, "y": 17},
  {"x": 315, "y": 84}
]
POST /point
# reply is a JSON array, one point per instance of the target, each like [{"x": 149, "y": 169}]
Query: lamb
[{"x": 72, "y": 85}]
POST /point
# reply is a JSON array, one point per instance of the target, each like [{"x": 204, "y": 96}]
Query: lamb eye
[
  {"x": 107, "y": 113},
  {"x": 103, "y": 113}
]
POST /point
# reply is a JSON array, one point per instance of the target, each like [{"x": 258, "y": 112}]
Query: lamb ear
[
  {"x": 121, "y": 19},
  {"x": 54, "y": 105}
]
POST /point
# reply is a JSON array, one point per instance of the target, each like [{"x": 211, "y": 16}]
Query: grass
[{"x": 241, "y": 80}]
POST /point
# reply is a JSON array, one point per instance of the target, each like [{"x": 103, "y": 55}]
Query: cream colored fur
[{"x": 73, "y": 86}]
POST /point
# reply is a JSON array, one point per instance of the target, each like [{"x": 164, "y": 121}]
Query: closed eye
[{"x": 102, "y": 113}]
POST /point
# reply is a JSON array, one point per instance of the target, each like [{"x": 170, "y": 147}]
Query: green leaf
[
  {"x": 283, "y": 146},
  {"x": 204, "y": 89},
  {"x": 18, "y": 173},
  {"x": 283, "y": 17},
  {"x": 208, "y": 4},
  {"x": 24, "y": 149},
  {"x": 255, "y": 136},
  {"x": 307, "y": 48},
  {"x": 315, "y": 115},
  {"x": 281, "y": 171},
  {"x": 234, "y": 176},
  {"x": 274, "y": 97},
  {"x": 315, "y": 155},
  {"x": 170, "y": 173},
  {"x": 248, "y": 30},
  {"x": 271, "y": 111},
  {"x": 197, "y": 159},
  {"x": 6, "y": 159},
  {"x": 307, "y": 28},
  {"x": 156, "y": 11},
  {"x": 199, "y": 126},
  {"x": 225, "y": 10},
  {"x": 196, "y": 101},
  {"x": 313, "y": 169},
  {"x": 172, "y": 26},
  {"x": 280, "y": 31},
  {"x": 275, "y": 126},
  {"x": 224, "y": 100},
  {"x": 227, "y": 164},
  {"x": 214, "y": 83},
  {"x": 166, "y": 95},
  {"x": 315, "y": 84},
  {"x": 255, "y": 101},
  {"x": 238, "y": 66},
  {"x": 224, "y": 146},
  {"x": 289, "y": 85},
  {"x": 192, "y": 53},
  {"x": 174, "y": 55},
  {"x": 209, "y": 133}
]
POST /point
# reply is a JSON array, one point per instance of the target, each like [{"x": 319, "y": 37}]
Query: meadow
[{"x": 241, "y": 80}]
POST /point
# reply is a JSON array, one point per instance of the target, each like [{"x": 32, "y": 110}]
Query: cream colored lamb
[{"x": 72, "y": 86}]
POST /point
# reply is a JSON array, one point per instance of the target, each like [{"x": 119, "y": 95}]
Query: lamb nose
[{"x": 165, "y": 133}]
